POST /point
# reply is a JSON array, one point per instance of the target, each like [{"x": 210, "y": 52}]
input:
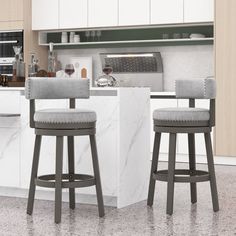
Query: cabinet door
[
  {"x": 11, "y": 10},
  {"x": 162, "y": 13},
  {"x": 198, "y": 10},
  {"x": 10, "y": 157},
  {"x": 73, "y": 14},
  {"x": 102, "y": 13},
  {"x": 133, "y": 12},
  {"x": 45, "y": 14}
]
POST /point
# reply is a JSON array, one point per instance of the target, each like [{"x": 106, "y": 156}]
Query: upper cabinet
[
  {"x": 11, "y": 14},
  {"x": 198, "y": 10},
  {"x": 133, "y": 12},
  {"x": 73, "y": 14},
  {"x": 167, "y": 11},
  {"x": 102, "y": 13},
  {"x": 45, "y": 14}
]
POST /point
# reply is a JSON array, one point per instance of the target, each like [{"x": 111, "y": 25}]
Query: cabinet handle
[{"x": 9, "y": 115}]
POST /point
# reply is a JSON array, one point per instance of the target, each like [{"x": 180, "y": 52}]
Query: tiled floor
[{"x": 138, "y": 219}]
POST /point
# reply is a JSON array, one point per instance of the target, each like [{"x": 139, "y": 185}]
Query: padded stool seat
[
  {"x": 65, "y": 118},
  {"x": 181, "y": 116}
]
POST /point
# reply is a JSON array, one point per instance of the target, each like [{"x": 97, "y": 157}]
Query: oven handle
[
  {"x": 9, "y": 115},
  {"x": 10, "y": 41}
]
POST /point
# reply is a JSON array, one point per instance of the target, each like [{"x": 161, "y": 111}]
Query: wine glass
[
  {"x": 87, "y": 35},
  {"x": 93, "y": 34},
  {"x": 99, "y": 34},
  {"x": 69, "y": 69}
]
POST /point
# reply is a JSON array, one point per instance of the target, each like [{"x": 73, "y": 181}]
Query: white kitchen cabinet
[
  {"x": 133, "y": 12},
  {"x": 102, "y": 13},
  {"x": 167, "y": 11},
  {"x": 73, "y": 14},
  {"x": 198, "y": 10},
  {"x": 156, "y": 104},
  {"x": 45, "y": 14},
  {"x": 10, "y": 139},
  {"x": 9, "y": 157}
]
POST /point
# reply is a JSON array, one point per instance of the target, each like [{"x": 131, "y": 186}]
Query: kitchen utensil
[
  {"x": 196, "y": 35},
  {"x": 76, "y": 38},
  {"x": 165, "y": 36},
  {"x": 185, "y": 35},
  {"x": 72, "y": 34},
  {"x": 176, "y": 36},
  {"x": 64, "y": 37}
]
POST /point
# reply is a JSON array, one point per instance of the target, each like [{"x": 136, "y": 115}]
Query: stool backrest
[
  {"x": 197, "y": 88},
  {"x": 56, "y": 88}
]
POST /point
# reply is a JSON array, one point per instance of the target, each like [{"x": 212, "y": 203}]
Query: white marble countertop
[
  {"x": 12, "y": 88},
  {"x": 164, "y": 93}
]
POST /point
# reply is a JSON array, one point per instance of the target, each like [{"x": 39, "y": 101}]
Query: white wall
[{"x": 179, "y": 61}]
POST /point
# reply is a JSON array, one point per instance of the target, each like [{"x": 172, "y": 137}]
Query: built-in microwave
[{"x": 8, "y": 39}]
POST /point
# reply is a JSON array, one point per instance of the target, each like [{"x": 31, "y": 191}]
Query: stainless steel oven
[{"x": 8, "y": 39}]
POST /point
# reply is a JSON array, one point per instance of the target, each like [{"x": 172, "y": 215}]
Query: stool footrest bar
[
  {"x": 183, "y": 176},
  {"x": 79, "y": 181}
]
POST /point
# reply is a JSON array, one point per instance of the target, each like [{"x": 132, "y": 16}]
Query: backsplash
[{"x": 179, "y": 62}]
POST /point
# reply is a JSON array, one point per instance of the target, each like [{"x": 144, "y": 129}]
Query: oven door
[
  {"x": 8, "y": 40},
  {"x": 6, "y": 69}
]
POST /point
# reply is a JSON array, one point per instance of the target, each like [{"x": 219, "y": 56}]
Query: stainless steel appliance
[
  {"x": 136, "y": 69},
  {"x": 8, "y": 39}
]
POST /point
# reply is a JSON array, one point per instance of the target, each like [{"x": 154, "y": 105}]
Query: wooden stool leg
[
  {"x": 171, "y": 173},
  {"x": 71, "y": 167},
  {"x": 97, "y": 175},
  {"x": 155, "y": 156},
  {"x": 58, "y": 178},
  {"x": 211, "y": 170},
  {"x": 34, "y": 173},
  {"x": 192, "y": 165}
]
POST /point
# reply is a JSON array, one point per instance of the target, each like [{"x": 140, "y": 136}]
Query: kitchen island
[{"x": 123, "y": 140}]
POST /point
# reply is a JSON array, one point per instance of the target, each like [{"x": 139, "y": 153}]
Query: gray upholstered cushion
[
  {"x": 196, "y": 88},
  {"x": 181, "y": 114},
  {"x": 56, "y": 88},
  {"x": 65, "y": 116}
]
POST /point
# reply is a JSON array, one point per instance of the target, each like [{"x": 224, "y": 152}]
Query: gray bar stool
[
  {"x": 189, "y": 120},
  {"x": 62, "y": 122}
]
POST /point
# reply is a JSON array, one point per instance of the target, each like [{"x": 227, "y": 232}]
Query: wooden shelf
[{"x": 147, "y": 36}]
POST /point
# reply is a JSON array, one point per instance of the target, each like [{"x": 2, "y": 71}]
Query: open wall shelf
[{"x": 133, "y": 37}]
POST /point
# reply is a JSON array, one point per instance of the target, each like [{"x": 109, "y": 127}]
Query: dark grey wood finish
[
  {"x": 71, "y": 167},
  {"x": 58, "y": 178},
  {"x": 192, "y": 166},
  {"x": 155, "y": 156},
  {"x": 34, "y": 173},
  {"x": 97, "y": 175},
  {"x": 211, "y": 170},
  {"x": 171, "y": 174},
  {"x": 72, "y": 180},
  {"x": 192, "y": 175},
  {"x": 192, "y": 159}
]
